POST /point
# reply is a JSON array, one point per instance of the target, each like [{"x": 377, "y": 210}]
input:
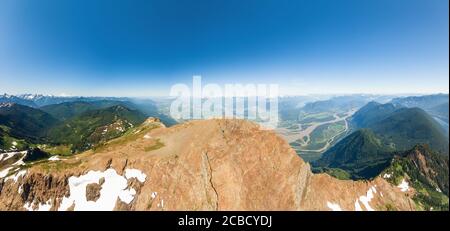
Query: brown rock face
[
  {"x": 199, "y": 165},
  {"x": 93, "y": 191}
]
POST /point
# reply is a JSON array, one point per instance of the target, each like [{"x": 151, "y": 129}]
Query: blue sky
[{"x": 142, "y": 47}]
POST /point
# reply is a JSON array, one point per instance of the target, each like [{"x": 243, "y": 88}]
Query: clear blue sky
[{"x": 141, "y": 48}]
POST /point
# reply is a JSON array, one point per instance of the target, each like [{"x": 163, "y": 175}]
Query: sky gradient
[{"x": 143, "y": 47}]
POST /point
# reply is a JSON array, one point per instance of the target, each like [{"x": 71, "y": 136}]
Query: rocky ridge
[{"x": 198, "y": 165}]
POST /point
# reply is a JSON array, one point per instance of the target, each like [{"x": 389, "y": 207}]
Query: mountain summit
[{"x": 198, "y": 165}]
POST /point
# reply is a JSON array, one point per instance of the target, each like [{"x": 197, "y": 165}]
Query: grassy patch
[
  {"x": 62, "y": 150},
  {"x": 58, "y": 165},
  {"x": 130, "y": 135},
  {"x": 155, "y": 146},
  {"x": 390, "y": 207},
  {"x": 334, "y": 172}
]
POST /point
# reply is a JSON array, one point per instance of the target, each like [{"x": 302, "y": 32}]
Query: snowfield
[{"x": 114, "y": 187}]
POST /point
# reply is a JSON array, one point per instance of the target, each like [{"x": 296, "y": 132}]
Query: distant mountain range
[
  {"x": 146, "y": 106},
  {"x": 425, "y": 102},
  {"x": 291, "y": 107},
  {"x": 436, "y": 105}
]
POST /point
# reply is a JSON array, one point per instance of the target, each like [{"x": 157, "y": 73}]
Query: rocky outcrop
[{"x": 198, "y": 165}]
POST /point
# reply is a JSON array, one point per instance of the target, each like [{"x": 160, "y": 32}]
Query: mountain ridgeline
[
  {"x": 93, "y": 127},
  {"x": 361, "y": 154},
  {"x": 428, "y": 173},
  {"x": 77, "y": 126},
  {"x": 401, "y": 127},
  {"x": 381, "y": 131},
  {"x": 436, "y": 105},
  {"x": 25, "y": 122},
  {"x": 198, "y": 165}
]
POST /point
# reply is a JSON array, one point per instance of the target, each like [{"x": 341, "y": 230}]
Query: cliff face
[{"x": 199, "y": 165}]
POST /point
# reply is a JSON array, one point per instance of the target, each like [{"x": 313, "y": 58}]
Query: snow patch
[
  {"x": 135, "y": 173},
  {"x": 54, "y": 158},
  {"x": 8, "y": 155},
  {"x": 333, "y": 206},
  {"x": 115, "y": 186},
  {"x": 387, "y": 176},
  {"x": 147, "y": 136},
  {"x": 5, "y": 172},
  {"x": 367, "y": 198},
  {"x": 374, "y": 189},
  {"x": 41, "y": 207},
  {"x": 357, "y": 206},
  {"x": 404, "y": 186},
  {"x": 16, "y": 176},
  {"x": 154, "y": 194},
  {"x": 20, "y": 161},
  {"x": 439, "y": 190},
  {"x": 127, "y": 195}
]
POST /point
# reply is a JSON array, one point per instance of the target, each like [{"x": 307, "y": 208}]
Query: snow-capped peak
[
  {"x": 33, "y": 96},
  {"x": 6, "y": 104}
]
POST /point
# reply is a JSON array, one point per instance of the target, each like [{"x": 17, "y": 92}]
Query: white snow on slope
[
  {"x": 366, "y": 199},
  {"x": 333, "y": 206},
  {"x": 114, "y": 187},
  {"x": 41, "y": 207},
  {"x": 404, "y": 186},
  {"x": 154, "y": 194},
  {"x": 16, "y": 176},
  {"x": 54, "y": 158},
  {"x": 135, "y": 173},
  {"x": 4, "y": 172},
  {"x": 20, "y": 161},
  {"x": 358, "y": 206},
  {"x": 7, "y": 155}
]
